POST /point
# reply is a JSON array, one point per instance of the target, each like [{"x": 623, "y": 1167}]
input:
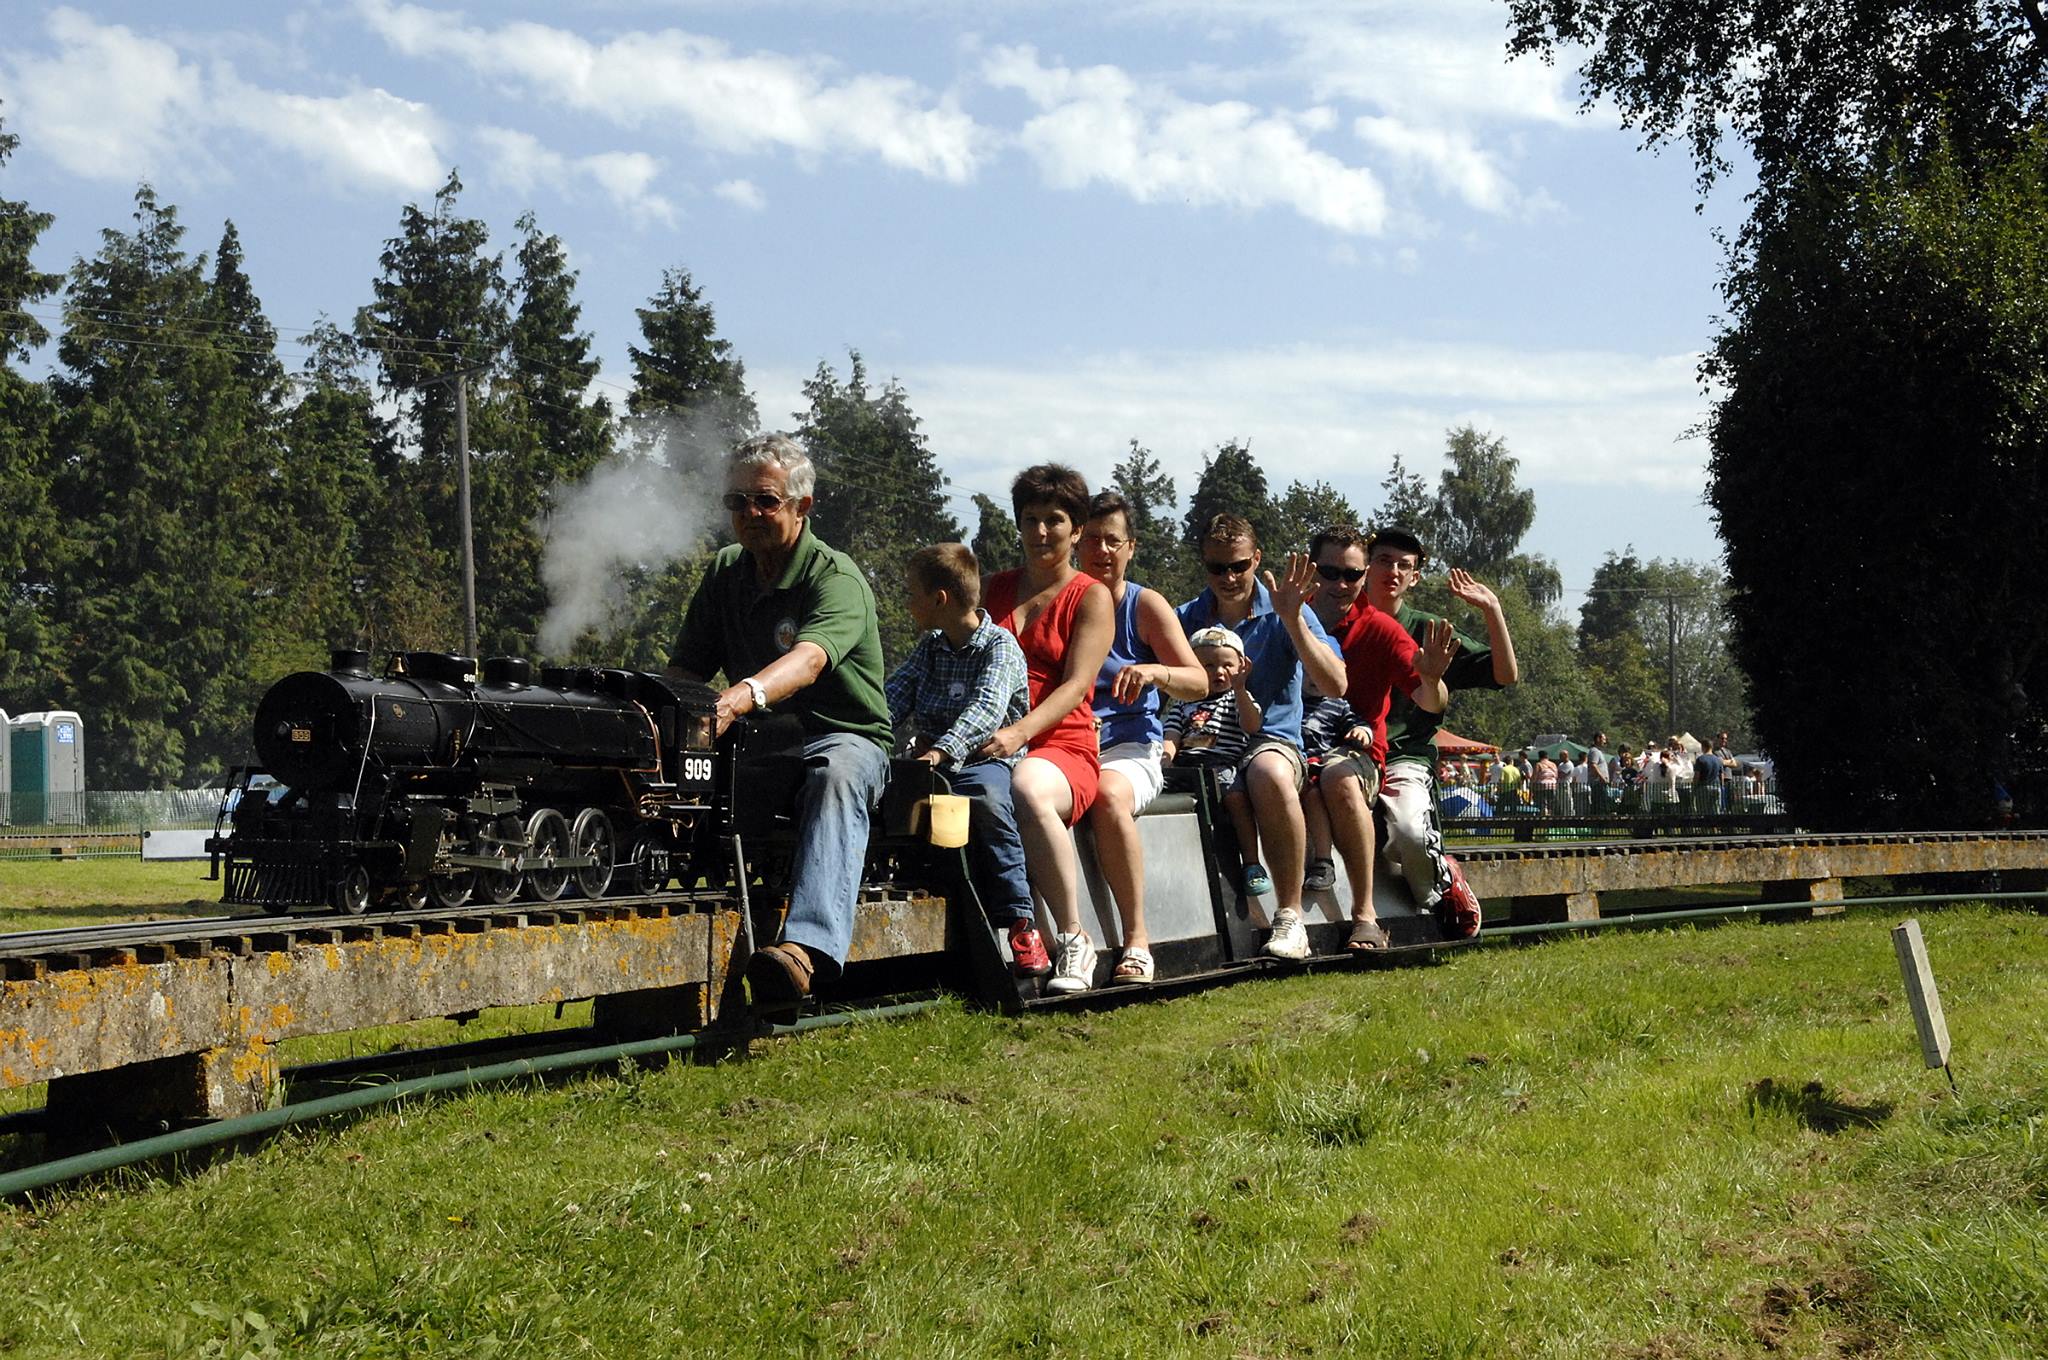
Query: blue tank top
[{"x": 1138, "y": 721}]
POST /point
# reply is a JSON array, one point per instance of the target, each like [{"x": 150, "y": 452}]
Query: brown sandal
[
  {"x": 781, "y": 977},
  {"x": 1366, "y": 937}
]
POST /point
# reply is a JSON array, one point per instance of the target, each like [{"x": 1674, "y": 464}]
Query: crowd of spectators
[{"x": 1563, "y": 779}]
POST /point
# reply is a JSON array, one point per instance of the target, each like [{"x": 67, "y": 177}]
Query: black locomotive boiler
[{"x": 433, "y": 784}]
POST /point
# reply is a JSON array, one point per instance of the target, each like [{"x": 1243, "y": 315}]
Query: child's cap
[{"x": 1216, "y": 635}]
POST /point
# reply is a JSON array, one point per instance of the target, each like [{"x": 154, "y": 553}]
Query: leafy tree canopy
[{"x": 1808, "y": 88}]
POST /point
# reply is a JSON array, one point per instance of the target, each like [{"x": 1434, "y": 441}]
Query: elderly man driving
[{"x": 791, "y": 624}]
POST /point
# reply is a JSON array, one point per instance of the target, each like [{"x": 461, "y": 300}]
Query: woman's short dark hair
[
  {"x": 1107, "y": 503},
  {"x": 1050, "y": 484}
]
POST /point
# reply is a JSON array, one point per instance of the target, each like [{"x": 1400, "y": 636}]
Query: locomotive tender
[{"x": 432, "y": 784}]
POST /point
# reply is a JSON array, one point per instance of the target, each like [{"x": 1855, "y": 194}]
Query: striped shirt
[
  {"x": 1206, "y": 732},
  {"x": 956, "y": 697}
]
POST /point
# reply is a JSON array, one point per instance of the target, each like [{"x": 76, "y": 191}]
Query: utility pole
[
  {"x": 460, "y": 378},
  {"x": 468, "y": 533}
]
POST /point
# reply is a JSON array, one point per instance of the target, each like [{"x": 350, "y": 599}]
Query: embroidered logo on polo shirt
[{"x": 785, "y": 634}]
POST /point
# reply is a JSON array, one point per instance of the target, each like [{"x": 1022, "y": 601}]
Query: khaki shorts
[
  {"x": 1346, "y": 762},
  {"x": 1288, "y": 749}
]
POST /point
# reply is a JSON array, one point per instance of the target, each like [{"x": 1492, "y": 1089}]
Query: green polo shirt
[
  {"x": 736, "y": 625},
  {"x": 1409, "y": 728}
]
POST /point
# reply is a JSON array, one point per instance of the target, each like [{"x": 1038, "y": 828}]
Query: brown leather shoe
[{"x": 780, "y": 975}]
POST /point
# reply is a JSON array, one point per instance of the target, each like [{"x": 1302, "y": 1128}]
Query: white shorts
[{"x": 1138, "y": 763}]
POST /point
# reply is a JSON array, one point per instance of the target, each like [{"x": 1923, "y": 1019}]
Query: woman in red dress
[{"x": 1063, "y": 622}]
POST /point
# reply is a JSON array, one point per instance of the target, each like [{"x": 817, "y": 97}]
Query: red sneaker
[
  {"x": 1459, "y": 908},
  {"x": 1027, "y": 951}
]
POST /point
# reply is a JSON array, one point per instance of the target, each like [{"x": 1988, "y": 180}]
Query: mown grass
[
  {"x": 55, "y": 894},
  {"x": 1656, "y": 1144}
]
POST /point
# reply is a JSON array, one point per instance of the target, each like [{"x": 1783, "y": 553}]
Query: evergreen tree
[
  {"x": 440, "y": 317},
  {"x": 997, "y": 544},
  {"x": 1162, "y": 560},
  {"x": 171, "y": 465},
  {"x": 685, "y": 368},
  {"x": 535, "y": 433},
  {"x": 32, "y": 538},
  {"x": 1232, "y": 482},
  {"x": 880, "y": 493}
]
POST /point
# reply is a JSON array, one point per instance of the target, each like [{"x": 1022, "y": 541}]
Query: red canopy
[{"x": 1449, "y": 743}]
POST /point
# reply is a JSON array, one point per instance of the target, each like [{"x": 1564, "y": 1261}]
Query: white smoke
[{"x": 643, "y": 507}]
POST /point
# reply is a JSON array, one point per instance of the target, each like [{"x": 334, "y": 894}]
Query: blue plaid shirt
[{"x": 956, "y": 697}]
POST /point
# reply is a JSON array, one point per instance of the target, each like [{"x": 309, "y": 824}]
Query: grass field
[
  {"x": 52, "y": 894},
  {"x": 1652, "y": 1145}
]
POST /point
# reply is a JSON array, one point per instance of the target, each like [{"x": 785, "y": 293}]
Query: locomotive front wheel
[
  {"x": 594, "y": 840},
  {"x": 351, "y": 892},
  {"x": 548, "y": 840}
]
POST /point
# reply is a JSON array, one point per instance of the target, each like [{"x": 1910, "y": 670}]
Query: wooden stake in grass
[{"x": 1921, "y": 992}]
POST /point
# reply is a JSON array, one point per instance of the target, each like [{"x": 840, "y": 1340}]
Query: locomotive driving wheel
[
  {"x": 548, "y": 840},
  {"x": 499, "y": 886},
  {"x": 594, "y": 839},
  {"x": 451, "y": 890}
]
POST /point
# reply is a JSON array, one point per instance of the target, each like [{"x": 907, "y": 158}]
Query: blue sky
[{"x": 1334, "y": 229}]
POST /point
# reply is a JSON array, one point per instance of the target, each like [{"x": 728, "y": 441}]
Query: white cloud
[
  {"x": 523, "y": 163},
  {"x": 728, "y": 101},
  {"x": 109, "y": 104},
  {"x": 1449, "y": 157},
  {"x": 745, "y": 193},
  {"x": 365, "y": 137},
  {"x": 1099, "y": 124}
]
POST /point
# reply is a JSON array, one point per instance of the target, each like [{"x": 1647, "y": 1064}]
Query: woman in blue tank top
[{"x": 1149, "y": 661}]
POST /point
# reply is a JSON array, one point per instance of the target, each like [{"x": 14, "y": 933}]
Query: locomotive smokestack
[{"x": 349, "y": 661}]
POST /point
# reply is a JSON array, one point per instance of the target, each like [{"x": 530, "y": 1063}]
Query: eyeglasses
[
  {"x": 1237, "y": 568},
  {"x": 1331, "y": 572},
  {"x": 1394, "y": 563},
  {"x": 1104, "y": 542},
  {"x": 767, "y": 502}
]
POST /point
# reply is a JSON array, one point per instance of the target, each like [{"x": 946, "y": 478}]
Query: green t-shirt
[
  {"x": 736, "y": 625},
  {"x": 1409, "y": 728}
]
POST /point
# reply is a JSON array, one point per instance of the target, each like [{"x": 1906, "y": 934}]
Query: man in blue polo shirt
[
  {"x": 791, "y": 624},
  {"x": 1281, "y": 640}
]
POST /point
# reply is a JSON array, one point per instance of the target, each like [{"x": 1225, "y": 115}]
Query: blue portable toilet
[{"x": 47, "y": 753}]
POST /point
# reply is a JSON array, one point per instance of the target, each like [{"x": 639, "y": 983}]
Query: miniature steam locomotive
[{"x": 431, "y": 785}]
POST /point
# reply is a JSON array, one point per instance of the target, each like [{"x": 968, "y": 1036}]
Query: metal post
[
  {"x": 1670, "y": 663},
  {"x": 468, "y": 535}
]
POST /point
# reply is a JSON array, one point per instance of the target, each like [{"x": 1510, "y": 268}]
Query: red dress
[{"x": 1069, "y": 743}]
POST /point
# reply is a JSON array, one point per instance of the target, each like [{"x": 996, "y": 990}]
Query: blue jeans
[
  {"x": 832, "y": 809},
  {"x": 995, "y": 851}
]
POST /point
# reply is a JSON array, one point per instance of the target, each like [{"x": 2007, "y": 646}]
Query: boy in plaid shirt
[{"x": 963, "y": 680}]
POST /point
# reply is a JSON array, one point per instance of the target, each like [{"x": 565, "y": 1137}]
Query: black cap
[{"x": 1400, "y": 536}]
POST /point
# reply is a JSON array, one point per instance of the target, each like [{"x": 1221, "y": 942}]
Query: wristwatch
[{"x": 760, "y": 693}]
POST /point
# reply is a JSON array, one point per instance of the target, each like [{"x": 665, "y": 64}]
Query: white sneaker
[
  {"x": 1289, "y": 939},
  {"x": 1076, "y": 970}
]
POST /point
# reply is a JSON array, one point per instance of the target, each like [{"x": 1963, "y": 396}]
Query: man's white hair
[{"x": 778, "y": 450}]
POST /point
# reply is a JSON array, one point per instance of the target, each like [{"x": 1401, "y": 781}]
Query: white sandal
[{"x": 1135, "y": 965}]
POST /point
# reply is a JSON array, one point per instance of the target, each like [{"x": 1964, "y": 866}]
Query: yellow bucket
[{"x": 946, "y": 820}]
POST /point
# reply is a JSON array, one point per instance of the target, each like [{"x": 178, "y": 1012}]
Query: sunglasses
[
  {"x": 1237, "y": 568},
  {"x": 767, "y": 502},
  {"x": 1348, "y": 575}
]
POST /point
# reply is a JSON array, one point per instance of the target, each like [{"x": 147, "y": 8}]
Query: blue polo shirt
[{"x": 1276, "y": 668}]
